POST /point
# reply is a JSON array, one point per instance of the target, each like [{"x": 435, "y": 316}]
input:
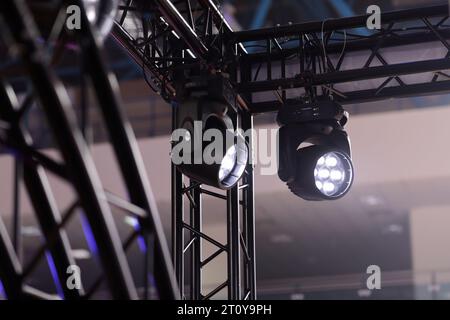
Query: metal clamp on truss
[
  {"x": 312, "y": 111},
  {"x": 216, "y": 87}
]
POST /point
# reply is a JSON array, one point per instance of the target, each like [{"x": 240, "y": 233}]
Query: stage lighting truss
[
  {"x": 171, "y": 39},
  {"x": 314, "y": 150},
  {"x": 37, "y": 54}
]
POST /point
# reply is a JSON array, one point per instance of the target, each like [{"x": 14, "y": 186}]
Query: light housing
[
  {"x": 212, "y": 114},
  {"x": 314, "y": 179},
  {"x": 314, "y": 151}
]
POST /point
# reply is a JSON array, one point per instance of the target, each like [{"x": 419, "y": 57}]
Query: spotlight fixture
[
  {"x": 208, "y": 148},
  {"x": 314, "y": 150}
]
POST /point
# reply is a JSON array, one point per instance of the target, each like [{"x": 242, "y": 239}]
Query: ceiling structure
[{"x": 150, "y": 115}]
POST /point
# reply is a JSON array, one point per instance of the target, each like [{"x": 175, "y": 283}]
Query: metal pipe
[
  {"x": 197, "y": 246},
  {"x": 124, "y": 40},
  {"x": 333, "y": 24},
  {"x": 348, "y": 75},
  {"x": 9, "y": 267},
  {"x": 220, "y": 21},
  {"x": 249, "y": 211},
  {"x": 362, "y": 96},
  {"x": 182, "y": 28},
  {"x": 233, "y": 236}
]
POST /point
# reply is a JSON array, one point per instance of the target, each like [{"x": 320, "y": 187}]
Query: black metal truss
[
  {"x": 283, "y": 65},
  {"x": 189, "y": 259},
  {"x": 37, "y": 186},
  {"x": 332, "y": 58},
  {"x": 175, "y": 40},
  {"x": 284, "y": 61},
  {"x": 78, "y": 170},
  {"x": 154, "y": 31}
]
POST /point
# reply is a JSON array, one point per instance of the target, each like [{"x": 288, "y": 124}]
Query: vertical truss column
[
  {"x": 58, "y": 110},
  {"x": 41, "y": 197},
  {"x": 9, "y": 267},
  {"x": 234, "y": 252},
  {"x": 248, "y": 215},
  {"x": 196, "y": 253},
  {"x": 249, "y": 194},
  {"x": 240, "y": 247},
  {"x": 177, "y": 219},
  {"x": 78, "y": 169},
  {"x": 129, "y": 159}
]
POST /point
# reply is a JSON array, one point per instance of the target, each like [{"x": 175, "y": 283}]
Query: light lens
[
  {"x": 319, "y": 185},
  {"x": 336, "y": 175},
  {"x": 331, "y": 161},
  {"x": 333, "y": 174},
  {"x": 324, "y": 173},
  {"x": 228, "y": 163}
]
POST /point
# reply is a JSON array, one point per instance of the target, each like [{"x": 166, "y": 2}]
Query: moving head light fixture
[
  {"x": 212, "y": 108},
  {"x": 314, "y": 150}
]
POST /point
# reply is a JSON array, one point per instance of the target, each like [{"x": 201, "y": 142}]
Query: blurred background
[{"x": 396, "y": 216}]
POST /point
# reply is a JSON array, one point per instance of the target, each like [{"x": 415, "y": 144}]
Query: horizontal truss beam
[
  {"x": 335, "y": 24},
  {"x": 326, "y": 59},
  {"x": 347, "y": 76}
]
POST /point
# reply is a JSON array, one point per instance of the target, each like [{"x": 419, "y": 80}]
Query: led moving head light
[
  {"x": 314, "y": 152},
  {"x": 196, "y": 116}
]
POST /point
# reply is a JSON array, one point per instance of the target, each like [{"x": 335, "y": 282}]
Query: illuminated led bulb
[
  {"x": 324, "y": 173},
  {"x": 328, "y": 187},
  {"x": 319, "y": 185},
  {"x": 331, "y": 161},
  {"x": 336, "y": 175}
]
